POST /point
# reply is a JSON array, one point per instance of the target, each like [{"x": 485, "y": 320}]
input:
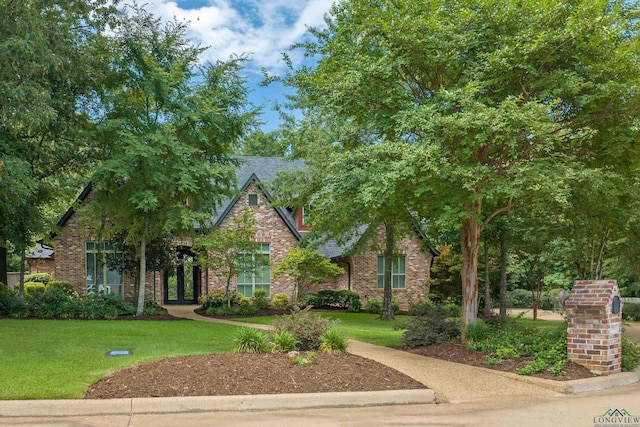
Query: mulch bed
[
  {"x": 456, "y": 351},
  {"x": 247, "y": 374}
]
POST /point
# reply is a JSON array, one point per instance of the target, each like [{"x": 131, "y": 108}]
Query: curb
[
  {"x": 576, "y": 386},
  {"x": 174, "y": 405}
]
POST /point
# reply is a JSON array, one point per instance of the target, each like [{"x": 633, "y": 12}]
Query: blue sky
[{"x": 260, "y": 29}]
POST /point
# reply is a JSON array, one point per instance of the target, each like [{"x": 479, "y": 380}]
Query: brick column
[{"x": 594, "y": 331}]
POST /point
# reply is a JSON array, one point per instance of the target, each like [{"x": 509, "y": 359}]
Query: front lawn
[{"x": 51, "y": 359}]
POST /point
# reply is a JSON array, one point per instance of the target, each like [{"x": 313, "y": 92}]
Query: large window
[
  {"x": 100, "y": 278},
  {"x": 255, "y": 271},
  {"x": 398, "y": 272}
]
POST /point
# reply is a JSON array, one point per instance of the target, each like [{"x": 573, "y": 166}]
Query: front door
[{"x": 181, "y": 284}]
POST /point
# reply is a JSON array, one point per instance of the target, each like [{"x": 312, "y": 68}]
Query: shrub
[
  {"x": 478, "y": 331},
  {"x": 299, "y": 360},
  {"x": 152, "y": 308},
  {"x": 630, "y": 355},
  {"x": 281, "y": 300},
  {"x": 19, "y": 310},
  {"x": 7, "y": 299},
  {"x": 63, "y": 285},
  {"x": 55, "y": 303},
  {"x": 250, "y": 340},
  {"x": 305, "y": 326},
  {"x": 33, "y": 289},
  {"x": 519, "y": 298},
  {"x": 355, "y": 305},
  {"x": 98, "y": 306},
  {"x": 421, "y": 307},
  {"x": 309, "y": 299},
  {"x": 333, "y": 342},
  {"x": 235, "y": 310},
  {"x": 631, "y": 311},
  {"x": 373, "y": 306},
  {"x": 38, "y": 277},
  {"x": 283, "y": 341},
  {"x": 260, "y": 299},
  {"x": 218, "y": 298},
  {"x": 451, "y": 308},
  {"x": 339, "y": 299},
  {"x": 432, "y": 327}
]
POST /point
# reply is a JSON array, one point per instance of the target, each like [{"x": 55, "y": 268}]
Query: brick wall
[
  {"x": 42, "y": 265},
  {"x": 594, "y": 332},
  {"x": 270, "y": 228}
]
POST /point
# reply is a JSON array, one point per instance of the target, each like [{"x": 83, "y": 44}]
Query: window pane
[
  {"x": 91, "y": 273},
  {"x": 245, "y": 290}
]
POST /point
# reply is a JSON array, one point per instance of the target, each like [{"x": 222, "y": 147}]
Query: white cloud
[{"x": 260, "y": 29}]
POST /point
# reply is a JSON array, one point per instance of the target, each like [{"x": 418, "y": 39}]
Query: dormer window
[{"x": 253, "y": 200}]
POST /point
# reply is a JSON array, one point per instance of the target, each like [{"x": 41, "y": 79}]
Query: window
[
  {"x": 100, "y": 278},
  {"x": 255, "y": 271},
  {"x": 398, "y": 272},
  {"x": 253, "y": 200},
  {"x": 305, "y": 214}
]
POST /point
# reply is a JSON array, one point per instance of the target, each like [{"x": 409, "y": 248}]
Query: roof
[{"x": 41, "y": 251}]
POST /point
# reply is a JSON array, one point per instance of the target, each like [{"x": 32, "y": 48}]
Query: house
[{"x": 75, "y": 252}]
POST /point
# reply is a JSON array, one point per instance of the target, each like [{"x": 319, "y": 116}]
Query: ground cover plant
[{"x": 60, "y": 359}]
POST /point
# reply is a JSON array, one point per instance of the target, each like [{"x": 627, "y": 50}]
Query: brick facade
[{"x": 594, "y": 331}]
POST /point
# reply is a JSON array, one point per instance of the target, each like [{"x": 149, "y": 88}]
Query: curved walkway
[{"x": 452, "y": 382}]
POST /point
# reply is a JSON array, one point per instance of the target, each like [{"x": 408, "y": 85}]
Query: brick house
[{"x": 74, "y": 255}]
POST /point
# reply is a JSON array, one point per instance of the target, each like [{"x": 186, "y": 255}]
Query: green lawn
[
  {"x": 49, "y": 359},
  {"x": 359, "y": 326}
]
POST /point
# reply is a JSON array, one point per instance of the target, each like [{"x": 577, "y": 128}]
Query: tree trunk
[
  {"x": 470, "y": 244},
  {"x": 143, "y": 273},
  {"x": 387, "y": 300},
  {"x": 228, "y": 289},
  {"x": 487, "y": 283},
  {"x": 3, "y": 263},
  {"x": 21, "y": 286},
  {"x": 503, "y": 273}
]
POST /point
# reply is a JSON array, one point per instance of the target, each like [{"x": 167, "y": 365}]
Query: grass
[
  {"x": 539, "y": 323},
  {"x": 359, "y": 326},
  {"x": 48, "y": 359}
]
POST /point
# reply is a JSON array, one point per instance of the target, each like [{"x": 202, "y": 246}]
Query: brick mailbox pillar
[{"x": 594, "y": 316}]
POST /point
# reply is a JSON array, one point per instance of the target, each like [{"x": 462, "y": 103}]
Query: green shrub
[
  {"x": 338, "y": 298},
  {"x": 235, "y": 310},
  {"x": 281, "y": 300},
  {"x": 152, "y": 308},
  {"x": 333, "y": 342},
  {"x": 477, "y": 332},
  {"x": 251, "y": 340},
  {"x": 259, "y": 300},
  {"x": 519, "y": 298},
  {"x": 630, "y": 311},
  {"x": 355, "y": 305},
  {"x": 421, "y": 307},
  {"x": 309, "y": 299},
  {"x": 33, "y": 289},
  {"x": 451, "y": 308},
  {"x": 631, "y": 290},
  {"x": 630, "y": 355},
  {"x": 38, "y": 277},
  {"x": 63, "y": 285},
  {"x": 304, "y": 360},
  {"x": 373, "y": 306},
  {"x": 218, "y": 298},
  {"x": 19, "y": 310},
  {"x": 305, "y": 326},
  {"x": 432, "y": 327},
  {"x": 283, "y": 341},
  {"x": 99, "y": 306},
  {"x": 55, "y": 303},
  {"x": 7, "y": 299}
]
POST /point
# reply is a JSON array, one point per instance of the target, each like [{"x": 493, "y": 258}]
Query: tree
[
  {"x": 353, "y": 195},
  {"x": 229, "y": 251},
  {"x": 258, "y": 143},
  {"x": 307, "y": 267},
  {"x": 168, "y": 126},
  {"x": 48, "y": 83},
  {"x": 504, "y": 100}
]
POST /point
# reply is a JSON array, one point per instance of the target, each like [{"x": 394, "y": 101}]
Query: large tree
[
  {"x": 168, "y": 126},
  {"x": 49, "y": 77},
  {"x": 504, "y": 99}
]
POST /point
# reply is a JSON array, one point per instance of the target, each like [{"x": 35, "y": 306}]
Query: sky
[{"x": 262, "y": 30}]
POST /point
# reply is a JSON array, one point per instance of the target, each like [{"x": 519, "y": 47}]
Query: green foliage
[
  {"x": 152, "y": 308},
  {"x": 307, "y": 327},
  {"x": 55, "y": 303},
  {"x": 630, "y": 355},
  {"x": 631, "y": 311},
  {"x": 421, "y": 307},
  {"x": 433, "y": 326},
  {"x": 63, "y": 285},
  {"x": 519, "y": 298},
  {"x": 38, "y": 277},
  {"x": 307, "y": 267},
  {"x": 373, "y": 306},
  {"x": 7, "y": 300},
  {"x": 260, "y": 299},
  {"x": 630, "y": 290},
  {"x": 98, "y": 306},
  {"x": 309, "y": 299},
  {"x": 333, "y": 342},
  {"x": 251, "y": 340},
  {"x": 218, "y": 298},
  {"x": 234, "y": 310},
  {"x": 477, "y": 332},
  {"x": 283, "y": 341},
  {"x": 33, "y": 289},
  {"x": 281, "y": 300},
  {"x": 307, "y": 359},
  {"x": 452, "y": 308}
]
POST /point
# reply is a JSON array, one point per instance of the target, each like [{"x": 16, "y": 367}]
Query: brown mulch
[
  {"x": 456, "y": 351},
  {"x": 246, "y": 374}
]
